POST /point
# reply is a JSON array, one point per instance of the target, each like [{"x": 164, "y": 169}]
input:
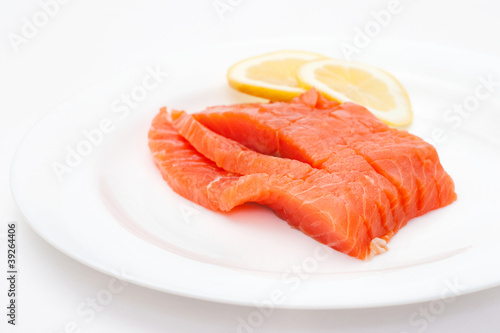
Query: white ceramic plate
[{"x": 111, "y": 210}]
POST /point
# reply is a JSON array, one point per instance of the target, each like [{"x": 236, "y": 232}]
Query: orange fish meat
[{"x": 333, "y": 171}]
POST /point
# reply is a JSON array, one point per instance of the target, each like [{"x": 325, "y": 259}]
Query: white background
[{"x": 87, "y": 40}]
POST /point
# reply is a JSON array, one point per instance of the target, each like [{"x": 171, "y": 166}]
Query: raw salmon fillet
[{"x": 333, "y": 171}]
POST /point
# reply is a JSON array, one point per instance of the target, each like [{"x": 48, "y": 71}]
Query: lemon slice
[
  {"x": 272, "y": 76},
  {"x": 371, "y": 87}
]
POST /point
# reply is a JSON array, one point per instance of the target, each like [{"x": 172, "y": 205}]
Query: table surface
[{"x": 82, "y": 41}]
